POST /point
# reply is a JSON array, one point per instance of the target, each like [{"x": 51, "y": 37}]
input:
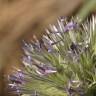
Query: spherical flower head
[{"x": 61, "y": 63}]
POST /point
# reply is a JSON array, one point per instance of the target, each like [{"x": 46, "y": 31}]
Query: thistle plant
[{"x": 61, "y": 63}]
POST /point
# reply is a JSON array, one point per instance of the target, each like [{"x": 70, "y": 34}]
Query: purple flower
[
  {"x": 71, "y": 25},
  {"x": 16, "y": 81},
  {"x": 15, "y": 88},
  {"x": 62, "y": 26},
  {"x": 27, "y": 60},
  {"x": 17, "y": 77},
  {"x": 45, "y": 70},
  {"x": 48, "y": 44}
]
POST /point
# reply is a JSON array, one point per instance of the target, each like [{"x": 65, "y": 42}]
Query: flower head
[{"x": 62, "y": 63}]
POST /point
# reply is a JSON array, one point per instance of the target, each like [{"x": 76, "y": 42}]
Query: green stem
[{"x": 85, "y": 10}]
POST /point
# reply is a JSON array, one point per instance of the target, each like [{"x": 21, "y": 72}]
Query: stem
[{"x": 85, "y": 10}]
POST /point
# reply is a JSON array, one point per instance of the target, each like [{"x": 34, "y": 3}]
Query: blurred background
[{"x": 21, "y": 20}]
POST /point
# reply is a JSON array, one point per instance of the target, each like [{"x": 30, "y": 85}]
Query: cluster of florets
[{"x": 54, "y": 42}]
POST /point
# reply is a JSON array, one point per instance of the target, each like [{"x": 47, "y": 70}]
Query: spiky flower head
[{"x": 61, "y": 63}]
